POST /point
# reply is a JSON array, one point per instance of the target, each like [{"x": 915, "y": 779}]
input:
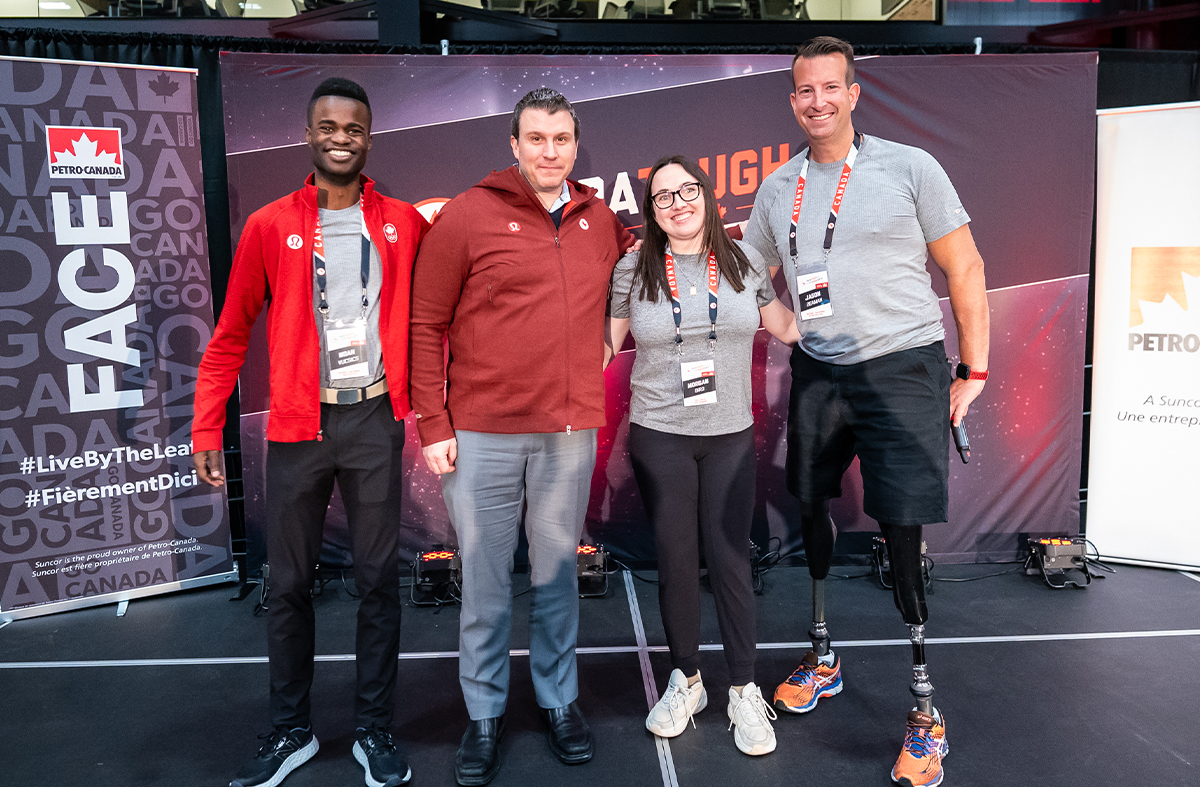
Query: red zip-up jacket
[
  {"x": 522, "y": 305},
  {"x": 274, "y": 262}
]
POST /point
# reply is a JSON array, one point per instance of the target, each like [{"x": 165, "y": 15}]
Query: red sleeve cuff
[
  {"x": 434, "y": 428},
  {"x": 206, "y": 440}
]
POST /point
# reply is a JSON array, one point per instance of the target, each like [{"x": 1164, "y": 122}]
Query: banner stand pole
[
  {"x": 1149, "y": 563},
  {"x": 121, "y": 599}
]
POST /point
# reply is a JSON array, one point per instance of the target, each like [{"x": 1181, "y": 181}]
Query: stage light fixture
[
  {"x": 591, "y": 568},
  {"x": 436, "y": 577},
  {"x": 1054, "y": 557}
]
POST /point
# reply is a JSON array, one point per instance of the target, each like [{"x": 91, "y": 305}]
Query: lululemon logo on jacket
[
  {"x": 514, "y": 227},
  {"x": 294, "y": 242},
  {"x": 583, "y": 223},
  {"x": 389, "y": 232}
]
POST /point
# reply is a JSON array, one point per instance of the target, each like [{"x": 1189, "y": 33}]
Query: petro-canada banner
[
  {"x": 1145, "y": 424},
  {"x": 106, "y": 302}
]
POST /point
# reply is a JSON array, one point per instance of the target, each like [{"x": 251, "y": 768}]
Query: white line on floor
[
  {"x": 665, "y": 762},
  {"x": 1190, "y": 576},
  {"x": 640, "y": 649}
]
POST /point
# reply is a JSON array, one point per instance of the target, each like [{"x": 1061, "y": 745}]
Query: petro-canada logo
[
  {"x": 84, "y": 152},
  {"x": 1164, "y": 294},
  {"x": 389, "y": 232}
]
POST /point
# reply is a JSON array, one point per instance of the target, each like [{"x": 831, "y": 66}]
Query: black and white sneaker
[
  {"x": 376, "y": 753},
  {"x": 285, "y": 751}
]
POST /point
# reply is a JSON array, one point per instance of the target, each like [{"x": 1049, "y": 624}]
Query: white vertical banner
[{"x": 1144, "y": 465}]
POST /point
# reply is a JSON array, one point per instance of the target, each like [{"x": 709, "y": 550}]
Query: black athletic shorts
[{"x": 893, "y": 412}]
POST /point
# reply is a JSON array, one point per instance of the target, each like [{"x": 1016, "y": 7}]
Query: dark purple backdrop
[{"x": 1015, "y": 133}]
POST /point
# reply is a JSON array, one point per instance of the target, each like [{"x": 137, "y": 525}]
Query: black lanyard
[
  {"x": 676, "y": 312},
  {"x": 837, "y": 198},
  {"x": 319, "y": 259}
]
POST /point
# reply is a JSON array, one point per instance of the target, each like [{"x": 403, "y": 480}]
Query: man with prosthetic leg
[{"x": 853, "y": 219}]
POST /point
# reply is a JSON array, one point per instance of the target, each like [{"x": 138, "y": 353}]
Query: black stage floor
[{"x": 1038, "y": 687}]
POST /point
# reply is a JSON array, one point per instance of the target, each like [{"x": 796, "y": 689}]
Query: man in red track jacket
[
  {"x": 335, "y": 261},
  {"x": 515, "y": 275}
]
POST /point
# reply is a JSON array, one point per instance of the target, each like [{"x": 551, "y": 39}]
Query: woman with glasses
[{"x": 693, "y": 299}]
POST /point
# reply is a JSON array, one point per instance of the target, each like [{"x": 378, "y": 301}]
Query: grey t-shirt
[
  {"x": 341, "y": 231},
  {"x": 898, "y": 198},
  {"x": 656, "y": 383}
]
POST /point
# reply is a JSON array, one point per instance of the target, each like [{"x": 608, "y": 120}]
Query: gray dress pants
[{"x": 495, "y": 477}]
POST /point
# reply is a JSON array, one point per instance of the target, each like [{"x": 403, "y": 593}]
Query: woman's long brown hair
[{"x": 651, "y": 264}]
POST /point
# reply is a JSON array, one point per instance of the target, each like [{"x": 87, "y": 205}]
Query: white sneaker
[
  {"x": 750, "y": 718},
  {"x": 679, "y": 702}
]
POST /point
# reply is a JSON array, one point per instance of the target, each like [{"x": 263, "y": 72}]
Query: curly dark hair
[{"x": 337, "y": 86}]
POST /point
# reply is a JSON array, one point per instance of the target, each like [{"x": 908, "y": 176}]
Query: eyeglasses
[{"x": 687, "y": 192}]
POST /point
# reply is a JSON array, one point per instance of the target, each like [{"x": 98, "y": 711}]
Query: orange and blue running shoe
[
  {"x": 811, "y": 681},
  {"x": 920, "y": 762}
]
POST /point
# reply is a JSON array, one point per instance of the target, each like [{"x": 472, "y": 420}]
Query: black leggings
[{"x": 697, "y": 487}]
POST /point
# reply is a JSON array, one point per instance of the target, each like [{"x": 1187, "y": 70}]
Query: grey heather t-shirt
[
  {"x": 656, "y": 383},
  {"x": 342, "y": 234},
  {"x": 898, "y": 198}
]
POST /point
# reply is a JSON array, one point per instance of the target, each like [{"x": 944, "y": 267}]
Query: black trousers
[
  {"x": 361, "y": 447},
  {"x": 697, "y": 487}
]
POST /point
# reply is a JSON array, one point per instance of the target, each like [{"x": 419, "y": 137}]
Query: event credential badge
[
  {"x": 699, "y": 382},
  {"x": 346, "y": 343},
  {"x": 813, "y": 289}
]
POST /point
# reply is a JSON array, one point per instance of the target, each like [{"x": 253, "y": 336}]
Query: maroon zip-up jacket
[
  {"x": 274, "y": 264},
  {"x": 521, "y": 304}
]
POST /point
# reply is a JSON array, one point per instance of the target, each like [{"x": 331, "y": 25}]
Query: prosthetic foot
[
  {"x": 920, "y": 761},
  {"x": 820, "y": 672}
]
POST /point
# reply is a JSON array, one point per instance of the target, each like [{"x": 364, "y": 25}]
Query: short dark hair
[
  {"x": 545, "y": 98},
  {"x": 825, "y": 45},
  {"x": 650, "y": 270},
  {"x": 337, "y": 86}
]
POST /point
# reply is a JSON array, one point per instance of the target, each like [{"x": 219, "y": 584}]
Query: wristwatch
[{"x": 963, "y": 372}]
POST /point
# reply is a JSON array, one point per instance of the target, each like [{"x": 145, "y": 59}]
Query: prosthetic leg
[
  {"x": 820, "y": 534},
  {"x": 908, "y": 591},
  {"x": 925, "y": 742},
  {"x": 820, "y": 672}
]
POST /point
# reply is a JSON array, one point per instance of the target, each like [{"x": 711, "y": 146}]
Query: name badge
[
  {"x": 813, "y": 292},
  {"x": 699, "y": 382},
  {"x": 346, "y": 346}
]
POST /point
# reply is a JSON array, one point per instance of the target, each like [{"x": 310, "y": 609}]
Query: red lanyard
[
  {"x": 673, "y": 284},
  {"x": 837, "y": 198},
  {"x": 319, "y": 258}
]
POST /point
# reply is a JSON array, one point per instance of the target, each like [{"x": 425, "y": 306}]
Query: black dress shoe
[
  {"x": 570, "y": 736},
  {"x": 478, "y": 759}
]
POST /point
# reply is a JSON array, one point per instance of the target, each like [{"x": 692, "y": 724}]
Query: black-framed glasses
[{"x": 687, "y": 192}]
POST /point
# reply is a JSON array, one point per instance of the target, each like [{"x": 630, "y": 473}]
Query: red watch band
[{"x": 978, "y": 375}]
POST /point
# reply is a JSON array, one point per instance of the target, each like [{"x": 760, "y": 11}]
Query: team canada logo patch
[
  {"x": 389, "y": 232},
  {"x": 294, "y": 242},
  {"x": 84, "y": 152},
  {"x": 583, "y": 223},
  {"x": 514, "y": 227}
]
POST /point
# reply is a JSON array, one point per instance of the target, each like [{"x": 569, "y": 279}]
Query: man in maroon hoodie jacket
[
  {"x": 334, "y": 260},
  {"x": 514, "y": 273}
]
